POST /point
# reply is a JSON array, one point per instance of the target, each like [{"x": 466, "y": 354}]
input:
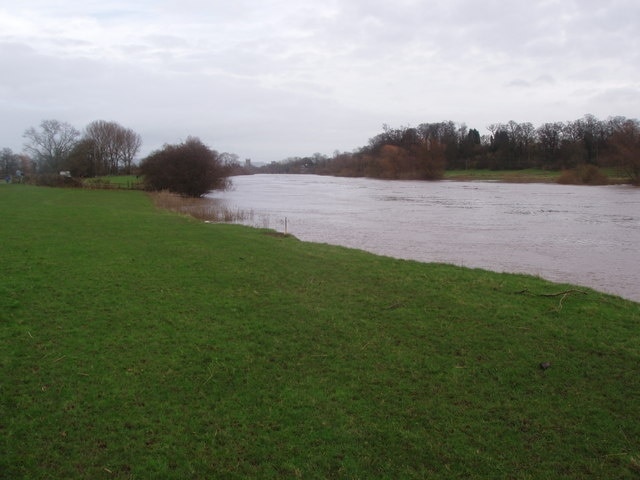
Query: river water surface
[{"x": 587, "y": 236}]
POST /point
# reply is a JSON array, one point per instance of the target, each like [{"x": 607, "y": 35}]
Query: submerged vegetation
[
  {"x": 136, "y": 343},
  {"x": 206, "y": 209}
]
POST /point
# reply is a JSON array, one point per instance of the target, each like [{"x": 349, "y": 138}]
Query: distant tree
[
  {"x": 25, "y": 164},
  {"x": 470, "y": 147},
  {"x": 190, "y": 169},
  {"x": 526, "y": 139},
  {"x": 501, "y": 147},
  {"x": 130, "y": 143},
  {"x": 389, "y": 136},
  {"x": 626, "y": 147},
  {"x": 549, "y": 137},
  {"x": 391, "y": 162},
  {"x": 343, "y": 164},
  {"x": 51, "y": 144},
  {"x": 584, "y": 140},
  {"x": 572, "y": 149},
  {"x": 9, "y": 162},
  {"x": 114, "y": 147},
  {"x": 592, "y": 133},
  {"x": 511, "y": 145},
  {"x": 430, "y": 160},
  {"x": 81, "y": 161}
]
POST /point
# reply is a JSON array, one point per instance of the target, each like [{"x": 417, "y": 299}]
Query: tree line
[
  {"x": 424, "y": 152},
  {"x": 57, "y": 154},
  {"x": 428, "y": 150},
  {"x": 105, "y": 148}
]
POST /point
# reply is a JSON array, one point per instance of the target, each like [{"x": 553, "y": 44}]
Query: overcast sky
[{"x": 273, "y": 79}]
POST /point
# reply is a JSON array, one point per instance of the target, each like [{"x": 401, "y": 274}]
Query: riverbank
[
  {"x": 531, "y": 175},
  {"x": 612, "y": 176},
  {"x": 137, "y": 343},
  {"x": 509, "y": 176}
]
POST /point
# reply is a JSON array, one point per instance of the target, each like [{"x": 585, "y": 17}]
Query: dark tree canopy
[{"x": 190, "y": 169}]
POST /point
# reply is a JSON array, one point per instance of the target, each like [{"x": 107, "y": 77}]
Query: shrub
[
  {"x": 583, "y": 175},
  {"x": 54, "y": 180},
  {"x": 190, "y": 169}
]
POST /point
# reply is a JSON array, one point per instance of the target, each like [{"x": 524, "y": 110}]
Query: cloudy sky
[{"x": 273, "y": 79}]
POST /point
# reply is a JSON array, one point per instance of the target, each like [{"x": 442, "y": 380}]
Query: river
[{"x": 587, "y": 236}]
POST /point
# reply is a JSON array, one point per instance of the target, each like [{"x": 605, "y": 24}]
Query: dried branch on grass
[{"x": 564, "y": 294}]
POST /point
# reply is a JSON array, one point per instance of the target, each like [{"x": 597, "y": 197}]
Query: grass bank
[
  {"x": 531, "y": 175},
  {"x": 510, "y": 176},
  {"x": 129, "y": 182},
  {"x": 137, "y": 343}
]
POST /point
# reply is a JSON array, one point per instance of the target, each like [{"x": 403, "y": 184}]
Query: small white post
[{"x": 285, "y": 225}]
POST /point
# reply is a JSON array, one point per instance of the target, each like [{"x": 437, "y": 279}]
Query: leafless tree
[
  {"x": 51, "y": 144},
  {"x": 626, "y": 146},
  {"x": 114, "y": 147},
  {"x": 549, "y": 137},
  {"x": 130, "y": 143},
  {"x": 8, "y": 162}
]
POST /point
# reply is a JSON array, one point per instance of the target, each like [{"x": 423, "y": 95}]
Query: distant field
[
  {"x": 523, "y": 176},
  {"x": 529, "y": 175},
  {"x": 137, "y": 343}
]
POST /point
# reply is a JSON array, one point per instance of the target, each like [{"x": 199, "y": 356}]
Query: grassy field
[
  {"x": 530, "y": 175},
  {"x": 513, "y": 176},
  {"x": 137, "y": 343}
]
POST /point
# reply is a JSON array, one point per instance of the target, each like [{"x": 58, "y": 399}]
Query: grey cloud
[
  {"x": 519, "y": 83},
  {"x": 540, "y": 81}
]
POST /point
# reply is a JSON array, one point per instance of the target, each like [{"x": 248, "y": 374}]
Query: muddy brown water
[{"x": 586, "y": 236}]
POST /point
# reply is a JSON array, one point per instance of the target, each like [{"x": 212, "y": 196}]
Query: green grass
[
  {"x": 512, "y": 176},
  {"x": 529, "y": 175},
  {"x": 136, "y": 344}
]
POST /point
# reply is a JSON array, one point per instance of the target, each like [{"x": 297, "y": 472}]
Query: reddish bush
[
  {"x": 583, "y": 175},
  {"x": 190, "y": 169}
]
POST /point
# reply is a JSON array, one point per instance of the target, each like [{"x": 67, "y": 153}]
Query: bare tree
[
  {"x": 81, "y": 162},
  {"x": 51, "y": 144},
  {"x": 114, "y": 147},
  {"x": 8, "y": 162},
  {"x": 549, "y": 137},
  {"x": 130, "y": 143},
  {"x": 626, "y": 146}
]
